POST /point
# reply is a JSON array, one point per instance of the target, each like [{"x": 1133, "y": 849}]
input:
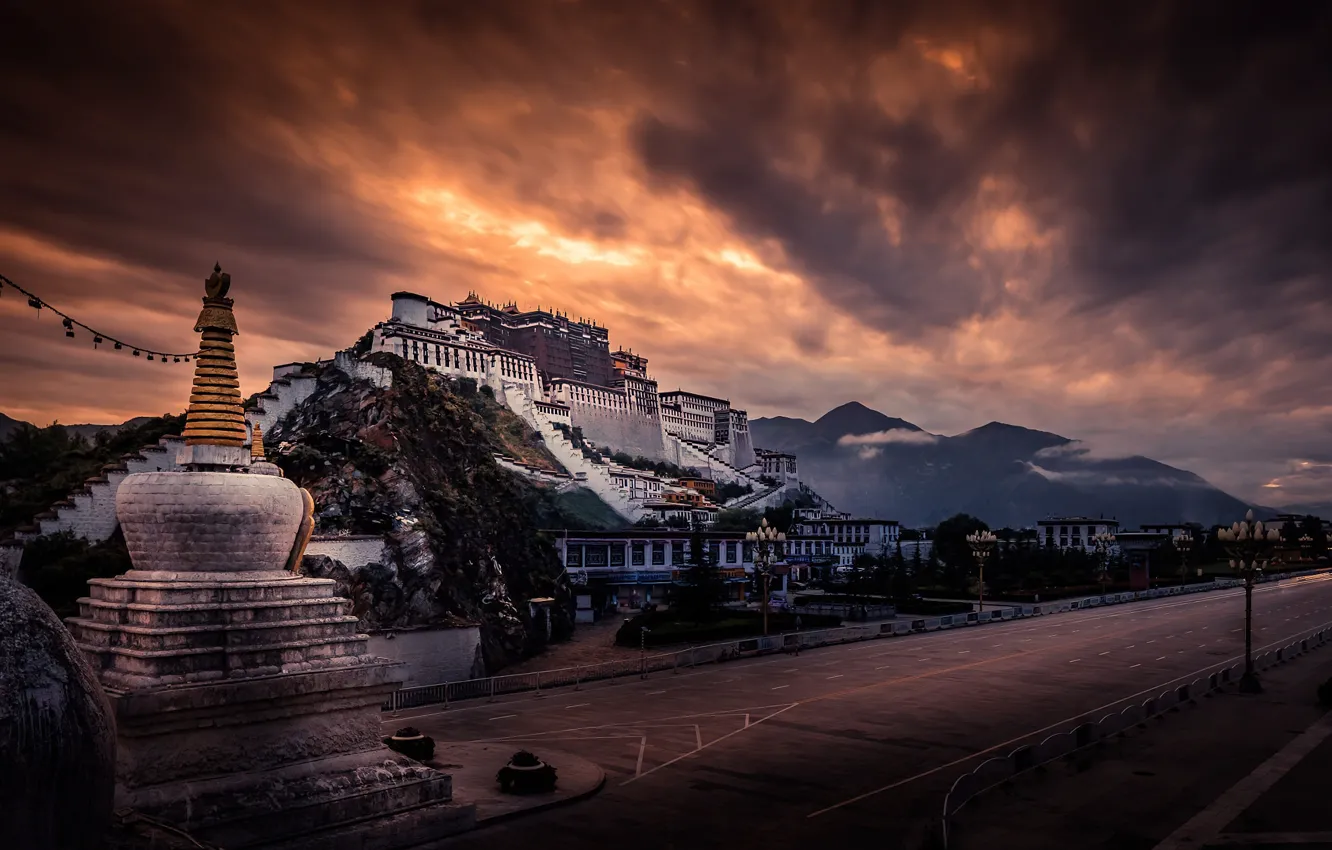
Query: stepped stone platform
[{"x": 247, "y": 712}]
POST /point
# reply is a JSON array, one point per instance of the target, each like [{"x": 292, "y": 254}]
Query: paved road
[{"x": 857, "y": 742}]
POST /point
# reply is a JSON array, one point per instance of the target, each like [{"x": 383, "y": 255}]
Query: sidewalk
[{"x": 1231, "y": 771}]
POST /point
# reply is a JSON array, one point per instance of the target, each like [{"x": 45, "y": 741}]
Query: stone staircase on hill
[
  {"x": 694, "y": 453},
  {"x": 289, "y": 388},
  {"x": 90, "y": 512},
  {"x": 751, "y": 499},
  {"x": 585, "y": 472}
]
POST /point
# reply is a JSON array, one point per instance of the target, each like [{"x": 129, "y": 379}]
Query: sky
[{"x": 1110, "y": 221}]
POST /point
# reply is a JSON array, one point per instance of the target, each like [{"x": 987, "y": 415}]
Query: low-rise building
[
  {"x": 1074, "y": 532},
  {"x": 635, "y": 567},
  {"x": 819, "y": 534},
  {"x": 706, "y": 486}
]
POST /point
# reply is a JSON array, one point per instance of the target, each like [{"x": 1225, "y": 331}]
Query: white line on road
[
  {"x": 654, "y": 693},
  {"x": 1228, "y": 806},
  {"x": 1074, "y": 660},
  {"x": 698, "y": 736},
  {"x": 1131, "y": 666},
  {"x": 963, "y": 651},
  {"x": 504, "y": 717},
  {"x": 779, "y": 687},
  {"x": 1162, "y": 658},
  {"x": 838, "y": 676},
  {"x": 578, "y": 705},
  {"x": 1130, "y": 646},
  {"x": 1107, "y": 652},
  {"x": 884, "y": 667},
  {"x": 642, "y": 745}
]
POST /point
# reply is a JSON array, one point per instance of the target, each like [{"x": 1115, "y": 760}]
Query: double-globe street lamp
[
  {"x": 1250, "y": 547},
  {"x": 1103, "y": 541},
  {"x": 765, "y": 541},
  {"x": 982, "y": 543}
]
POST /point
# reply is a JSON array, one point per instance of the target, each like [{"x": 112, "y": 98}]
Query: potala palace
[{"x": 561, "y": 376}]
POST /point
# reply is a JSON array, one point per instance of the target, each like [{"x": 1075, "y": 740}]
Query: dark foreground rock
[{"x": 57, "y": 738}]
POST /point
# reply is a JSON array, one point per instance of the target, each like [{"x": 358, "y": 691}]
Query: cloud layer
[{"x": 1103, "y": 220}]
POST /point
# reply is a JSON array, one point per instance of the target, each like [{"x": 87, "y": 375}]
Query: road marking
[
  {"x": 1107, "y": 652},
  {"x": 779, "y": 687},
  {"x": 884, "y": 667},
  {"x": 1162, "y": 658},
  {"x": 1151, "y": 641},
  {"x": 1131, "y": 666},
  {"x": 578, "y": 705},
  {"x": 963, "y": 651},
  {"x": 994, "y": 646},
  {"x": 1026, "y": 640},
  {"x": 922, "y": 659},
  {"x": 654, "y": 693},
  {"x": 713, "y": 741},
  {"x": 504, "y": 717},
  {"x": 1074, "y": 661},
  {"x": 698, "y": 736},
  {"x": 838, "y": 676},
  {"x": 1224, "y": 809},
  {"x": 1130, "y": 646},
  {"x": 1189, "y": 632},
  {"x": 642, "y": 745}
]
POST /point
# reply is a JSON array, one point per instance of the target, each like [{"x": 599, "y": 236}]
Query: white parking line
[
  {"x": 578, "y": 705},
  {"x": 1131, "y": 666},
  {"x": 1162, "y": 658},
  {"x": 654, "y": 693},
  {"x": 838, "y": 676},
  {"x": 504, "y": 717},
  {"x": 884, "y": 667},
  {"x": 963, "y": 651},
  {"x": 779, "y": 687},
  {"x": 1075, "y": 661},
  {"x": 1107, "y": 652}
]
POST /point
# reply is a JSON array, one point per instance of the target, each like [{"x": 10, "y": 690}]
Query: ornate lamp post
[
  {"x": 765, "y": 541},
  {"x": 1250, "y": 548},
  {"x": 982, "y": 543},
  {"x": 1183, "y": 542},
  {"x": 1102, "y": 542}
]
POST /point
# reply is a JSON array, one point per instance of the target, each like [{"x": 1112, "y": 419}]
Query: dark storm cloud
[
  {"x": 1166, "y": 139},
  {"x": 125, "y": 134}
]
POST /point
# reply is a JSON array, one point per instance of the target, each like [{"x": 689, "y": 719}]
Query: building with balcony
[{"x": 1075, "y": 532}]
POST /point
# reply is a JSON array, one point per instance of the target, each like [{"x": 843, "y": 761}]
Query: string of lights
[{"x": 98, "y": 338}]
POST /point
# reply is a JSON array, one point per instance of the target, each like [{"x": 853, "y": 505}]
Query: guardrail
[
  {"x": 997, "y": 771},
  {"x": 493, "y": 686}
]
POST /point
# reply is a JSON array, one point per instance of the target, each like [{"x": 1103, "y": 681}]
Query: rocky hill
[
  {"x": 415, "y": 462},
  {"x": 869, "y": 463}
]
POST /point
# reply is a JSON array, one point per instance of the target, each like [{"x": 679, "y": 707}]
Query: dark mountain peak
[
  {"x": 855, "y": 418},
  {"x": 1004, "y": 429}
]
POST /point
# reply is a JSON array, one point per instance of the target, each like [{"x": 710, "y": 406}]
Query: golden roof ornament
[{"x": 215, "y": 416}]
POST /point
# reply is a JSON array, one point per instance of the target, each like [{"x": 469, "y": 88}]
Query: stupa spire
[
  {"x": 257, "y": 443},
  {"x": 215, "y": 416}
]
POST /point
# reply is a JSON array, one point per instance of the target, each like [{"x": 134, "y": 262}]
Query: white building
[
  {"x": 1075, "y": 532},
  {"x": 691, "y": 416},
  {"x": 817, "y": 535}
]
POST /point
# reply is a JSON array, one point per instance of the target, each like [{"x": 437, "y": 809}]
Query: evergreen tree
[{"x": 703, "y": 590}]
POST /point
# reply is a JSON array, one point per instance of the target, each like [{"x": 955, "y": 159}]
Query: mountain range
[
  {"x": 871, "y": 464},
  {"x": 8, "y": 425}
]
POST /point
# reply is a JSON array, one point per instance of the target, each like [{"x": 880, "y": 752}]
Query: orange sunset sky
[{"x": 1106, "y": 223}]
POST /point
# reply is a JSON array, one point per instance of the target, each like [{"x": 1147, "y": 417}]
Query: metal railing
[{"x": 493, "y": 686}]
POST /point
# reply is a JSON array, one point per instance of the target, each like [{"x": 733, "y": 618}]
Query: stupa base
[{"x": 371, "y": 800}]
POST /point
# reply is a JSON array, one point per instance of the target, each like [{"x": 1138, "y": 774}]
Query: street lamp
[
  {"x": 1250, "y": 548},
  {"x": 1183, "y": 541},
  {"x": 1102, "y": 542},
  {"x": 982, "y": 543},
  {"x": 765, "y": 541}
]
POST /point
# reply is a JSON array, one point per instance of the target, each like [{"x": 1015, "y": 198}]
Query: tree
[{"x": 703, "y": 590}]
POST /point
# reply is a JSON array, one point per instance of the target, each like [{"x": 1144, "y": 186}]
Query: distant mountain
[
  {"x": 868, "y": 463},
  {"x": 8, "y": 425}
]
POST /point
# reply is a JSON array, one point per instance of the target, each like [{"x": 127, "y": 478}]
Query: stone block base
[{"x": 372, "y": 800}]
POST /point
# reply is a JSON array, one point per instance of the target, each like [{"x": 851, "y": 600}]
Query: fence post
[
  {"x": 446, "y": 694},
  {"x": 578, "y": 678},
  {"x": 396, "y": 701},
  {"x": 492, "y": 689},
  {"x": 538, "y": 674}
]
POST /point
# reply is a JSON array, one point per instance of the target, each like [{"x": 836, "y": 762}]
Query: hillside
[
  {"x": 869, "y": 463},
  {"x": 415, "y": 462}
]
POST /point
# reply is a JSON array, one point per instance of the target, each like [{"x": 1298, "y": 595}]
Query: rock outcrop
[
  {"x": 57, "y": 736},
  {"x": 414, "y": 461}
]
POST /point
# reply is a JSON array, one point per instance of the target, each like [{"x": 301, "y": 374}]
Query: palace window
[
  {"x": 636, "y": 555},
  {"x": 730, "y": 553},
  {"x": 658, "y": 554},
  {"x": 574, "y": 556},
  {"x": 617, "y": 555}
]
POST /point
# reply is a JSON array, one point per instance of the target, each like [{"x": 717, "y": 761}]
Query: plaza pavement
[{"x": 853, "y": 744}]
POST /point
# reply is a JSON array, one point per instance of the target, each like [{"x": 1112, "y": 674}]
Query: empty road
[{"x": 856, "y": 742}]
